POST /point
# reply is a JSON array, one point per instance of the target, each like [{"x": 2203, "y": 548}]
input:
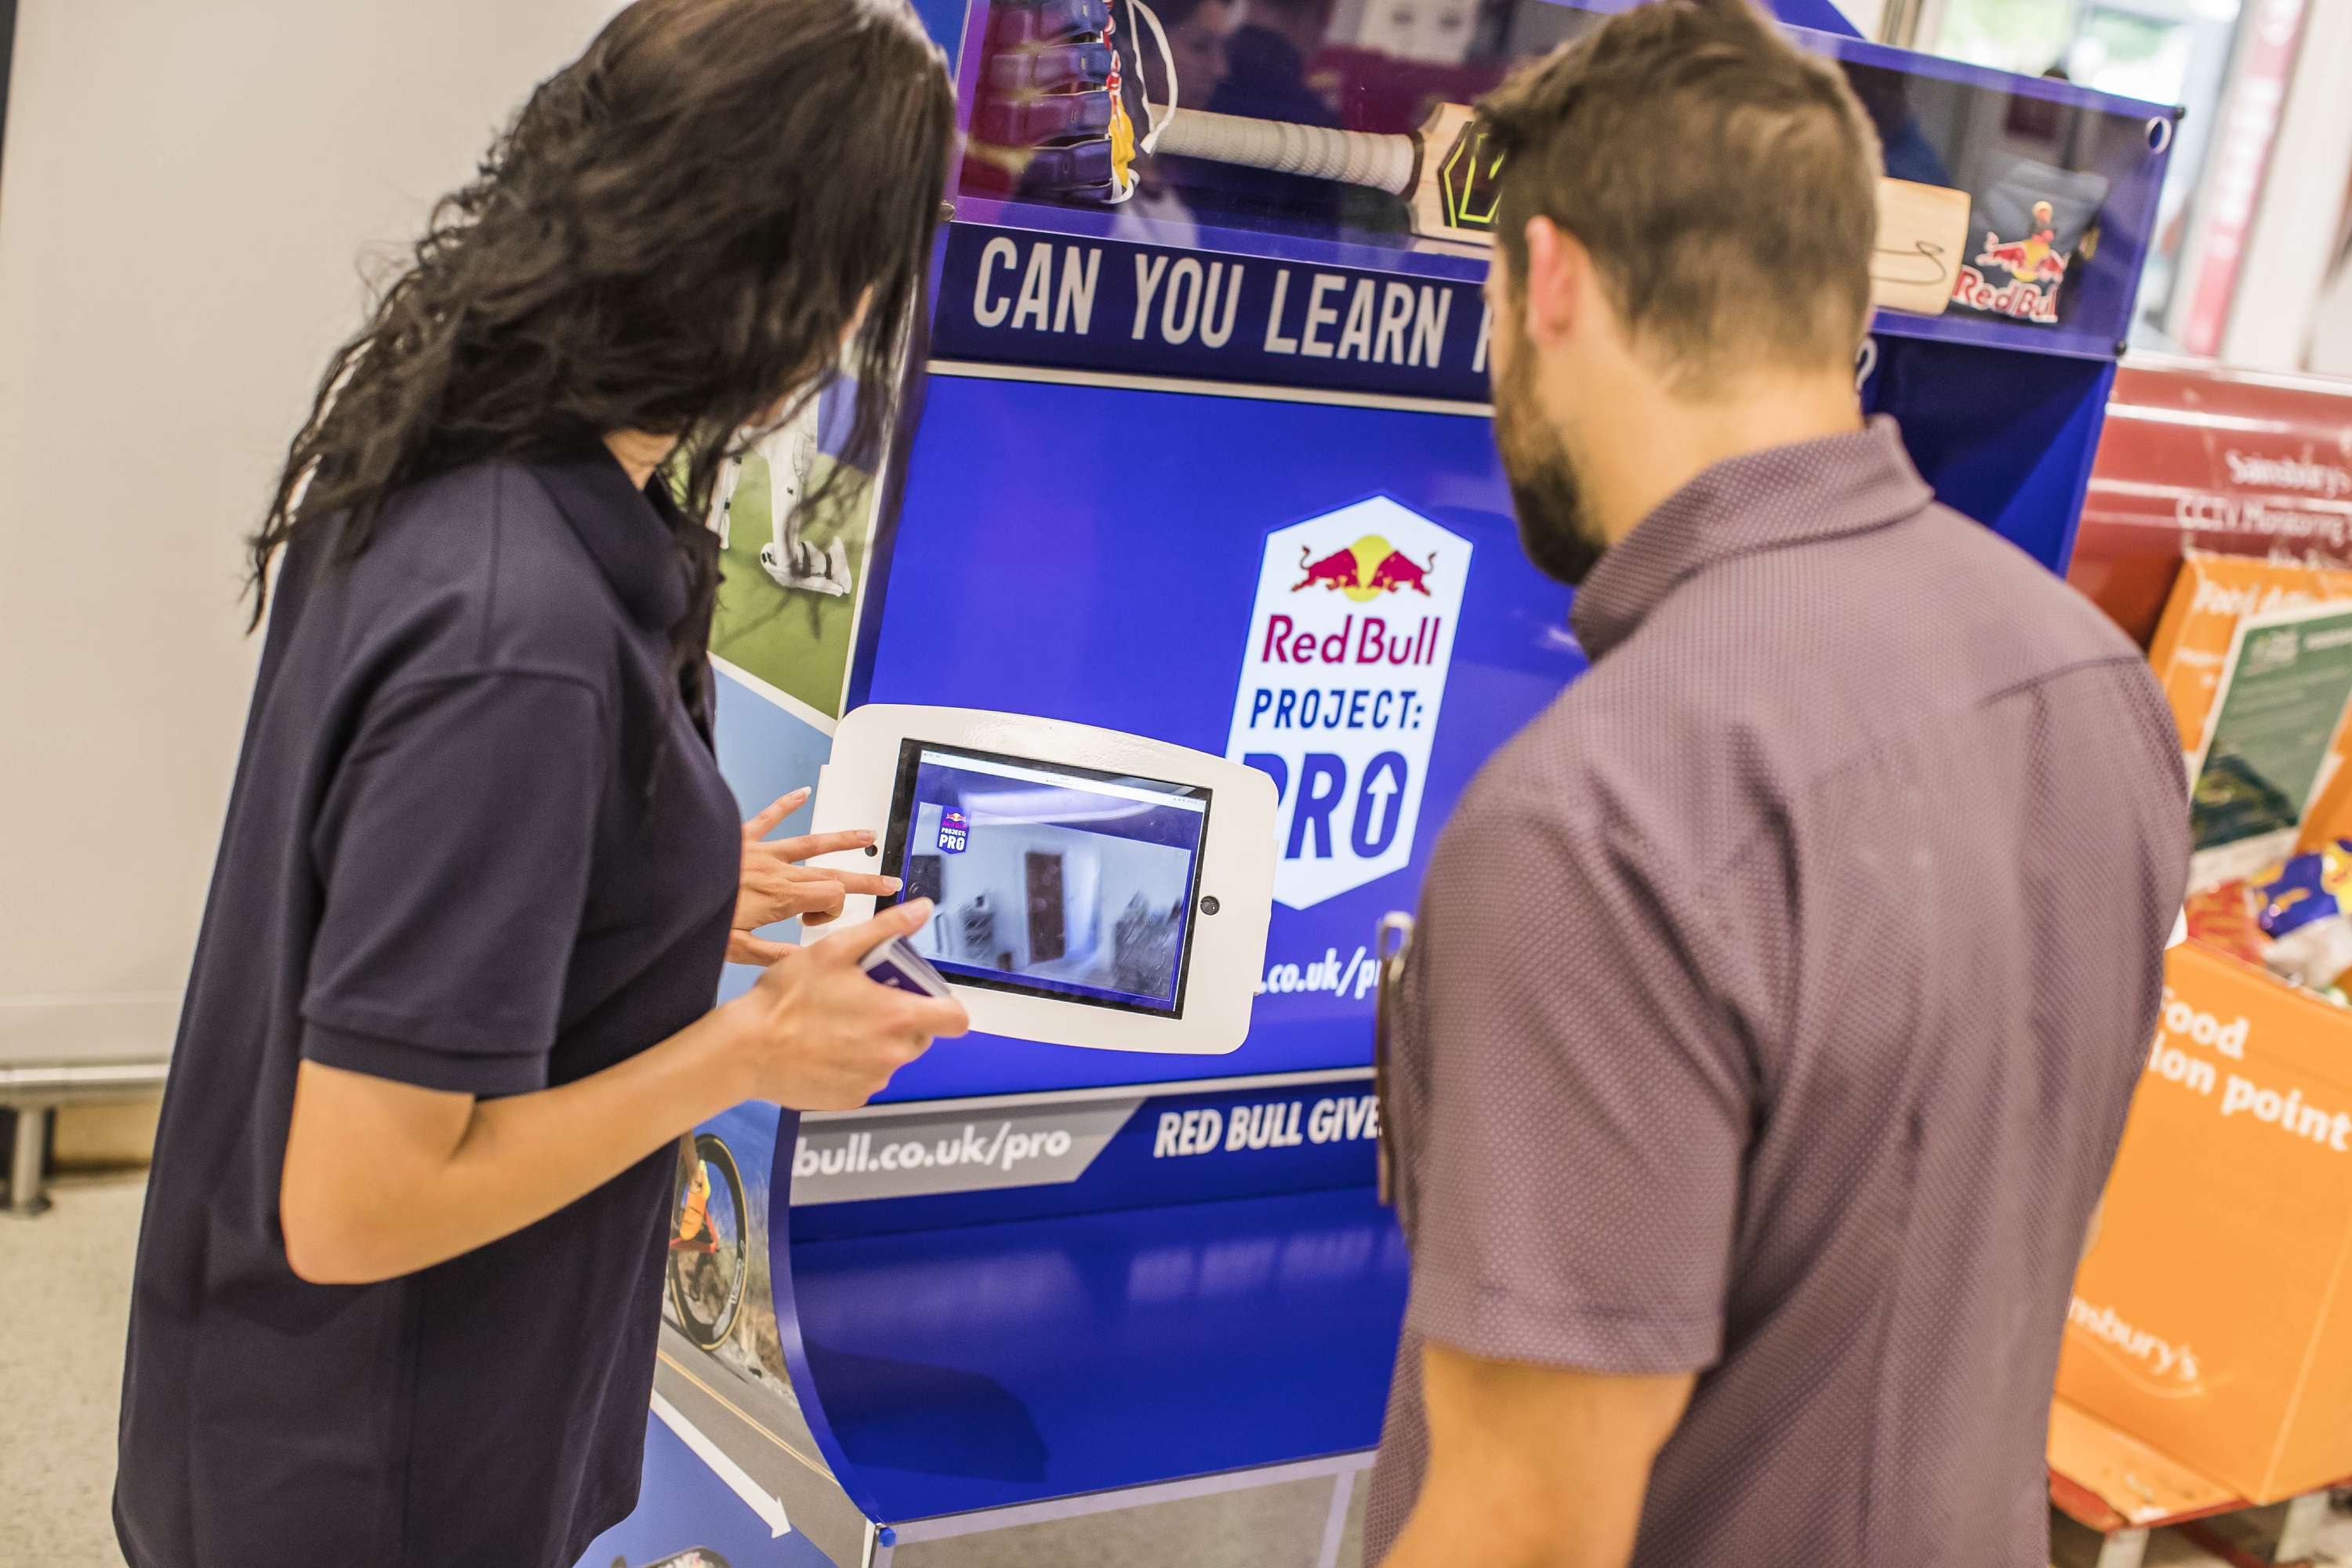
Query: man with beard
[{"x": 1778, "y": 995}]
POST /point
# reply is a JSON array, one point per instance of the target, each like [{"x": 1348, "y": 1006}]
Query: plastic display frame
[{"x": 1231, "y": 899}]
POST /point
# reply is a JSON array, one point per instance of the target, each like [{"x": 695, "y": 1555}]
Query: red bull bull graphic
[
  {"x": 1365, "y": 570},
  {"x": 1396, "y": 570},
  {"x": 1350, "y": 638},
  {"x": 2035, "y": 268},
  {"x": 1338, "y": 570}
]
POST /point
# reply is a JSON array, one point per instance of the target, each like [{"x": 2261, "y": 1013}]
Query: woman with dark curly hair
[{"x": 400, "y": 1279}]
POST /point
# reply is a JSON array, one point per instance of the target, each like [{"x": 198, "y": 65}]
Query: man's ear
[{"x": 1557, "y": 270}]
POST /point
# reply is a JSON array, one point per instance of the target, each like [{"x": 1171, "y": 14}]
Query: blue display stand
[{"x": 1035, "y": 1284}]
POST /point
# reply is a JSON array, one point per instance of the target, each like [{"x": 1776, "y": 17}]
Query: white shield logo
[{"x": 1349, "y": 641}]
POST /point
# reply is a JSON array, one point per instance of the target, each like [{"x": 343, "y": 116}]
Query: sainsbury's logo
[
  {"x": 2328, "y": 480},
  {"x": 2153, "y": 1362}
]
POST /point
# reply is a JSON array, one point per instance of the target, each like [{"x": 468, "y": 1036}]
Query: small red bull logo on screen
[
  {"x": 955, "y": 832},
  {"x": 2034, "y": 266},
  {"x": 1365, "y": 570}
]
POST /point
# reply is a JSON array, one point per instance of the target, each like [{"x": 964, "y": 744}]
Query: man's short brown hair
[{"x": 1724, "y": 181}]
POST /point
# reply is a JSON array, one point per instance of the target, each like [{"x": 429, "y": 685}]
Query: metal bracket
[
  {"x": 1335, "y": 1527},
  {"x": 2124, "y": 1548},
  {"x": 25, "y": 1170},
  {"x": 2299, "y": 1534}
]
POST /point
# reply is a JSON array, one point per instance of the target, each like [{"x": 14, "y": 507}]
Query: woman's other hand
[
  {"x": 775, "y": 885},
  {"x": 822, "y": 1035}
]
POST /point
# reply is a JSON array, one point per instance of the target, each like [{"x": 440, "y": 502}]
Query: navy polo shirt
[{"x": 477, "y": 842}]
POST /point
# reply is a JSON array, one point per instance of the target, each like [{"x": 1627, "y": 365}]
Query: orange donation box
[{"x": 2212, "y": 1319}]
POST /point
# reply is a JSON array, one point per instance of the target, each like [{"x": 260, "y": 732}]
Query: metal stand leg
[
  {"x": 2124, "y": 1548},
  {"x": 2299, "y": 1536},
  {"x": 1335, "y": 1527},
  {"x": 881, "y": 1545},
  {"x": 25, "y": 1197}
]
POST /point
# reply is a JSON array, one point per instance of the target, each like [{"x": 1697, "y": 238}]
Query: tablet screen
[{"x": 1051, "y": 880}]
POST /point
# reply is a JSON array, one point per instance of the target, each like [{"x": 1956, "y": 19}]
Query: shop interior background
[{"x": 183, "y": 189}]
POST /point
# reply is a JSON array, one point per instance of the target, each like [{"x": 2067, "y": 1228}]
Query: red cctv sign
[{"x": 2197, "y": 457}]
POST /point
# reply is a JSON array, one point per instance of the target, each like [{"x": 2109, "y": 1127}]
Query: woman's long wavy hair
[{"x": 676, "y": 235}]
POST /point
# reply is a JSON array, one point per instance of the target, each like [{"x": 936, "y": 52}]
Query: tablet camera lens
[{"x": 1208, "y": 903}]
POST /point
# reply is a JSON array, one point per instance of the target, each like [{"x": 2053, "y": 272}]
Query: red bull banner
[{"x": 1350, "y": 637}]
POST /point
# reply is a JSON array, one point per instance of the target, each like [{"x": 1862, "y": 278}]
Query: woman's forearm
[
  {"x": 384, "y": 1178},
  {"x": 439, "y": 1175}
]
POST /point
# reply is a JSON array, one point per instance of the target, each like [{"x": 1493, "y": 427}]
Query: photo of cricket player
[{"x": 795, "y": 530}]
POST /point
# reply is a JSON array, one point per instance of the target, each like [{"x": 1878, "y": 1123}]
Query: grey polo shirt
[{"x": 1776, "y": 1000}]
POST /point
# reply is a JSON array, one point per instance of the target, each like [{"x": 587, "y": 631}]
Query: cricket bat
[
  {"x": 1451, "y": 189},
  {"x": 1446, "y": 175}
]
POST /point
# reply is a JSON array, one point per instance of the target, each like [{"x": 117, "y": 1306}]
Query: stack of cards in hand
[{"x": 896, "y": 963}]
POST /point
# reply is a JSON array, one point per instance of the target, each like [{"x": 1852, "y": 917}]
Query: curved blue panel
[{"x": 956, "y": 1370}]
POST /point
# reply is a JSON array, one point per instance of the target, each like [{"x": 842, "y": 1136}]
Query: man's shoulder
[
  {"x": 1853, "y": 639},
  {"x": 1584, "y": 770},
  {"x": 1762, "y": 675},
  {"x": 2051, "y": 615},
  {"x": 1657, "y": 715}
]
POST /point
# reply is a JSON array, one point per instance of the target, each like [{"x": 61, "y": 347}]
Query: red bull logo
[
  {"x": 2035, "y": 266},
  {"x": 1342, "y": 686},
  {"x": 1365, "y": 570}
]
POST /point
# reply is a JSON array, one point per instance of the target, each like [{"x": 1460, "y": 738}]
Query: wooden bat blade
[
  {"x": 1923, "y": 231},
  {"x": 1455, "y": 194}
]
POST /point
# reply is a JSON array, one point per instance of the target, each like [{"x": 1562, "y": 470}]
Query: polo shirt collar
[
  {"x": 633, "y": 535},
  {"x": 1782, "y": 496}
]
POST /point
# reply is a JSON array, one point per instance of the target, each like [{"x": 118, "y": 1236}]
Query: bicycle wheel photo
[{"x": 709, "y": 1250}]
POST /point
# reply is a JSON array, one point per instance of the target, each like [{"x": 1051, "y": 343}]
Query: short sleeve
[
  {"x": 1585, "y": 1108},
  {"x": 453, "y": 850}
]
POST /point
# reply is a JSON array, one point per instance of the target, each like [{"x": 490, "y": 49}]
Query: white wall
[
  {"x": 184, "y": 189},
  {"x": 1868, "y": 16},
  {"x": 2282, "y": 272},
  {"x": 2331, "y": 327}
]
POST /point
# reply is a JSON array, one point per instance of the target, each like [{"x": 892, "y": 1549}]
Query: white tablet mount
[{"x": 1095, "y": 887}]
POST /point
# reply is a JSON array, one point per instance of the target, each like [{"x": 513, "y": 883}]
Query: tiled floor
[
  {"x": 63, "y": 1279},
  {"x": 2072, "y": 1547},
  {"x": 64, "y": 1296}
]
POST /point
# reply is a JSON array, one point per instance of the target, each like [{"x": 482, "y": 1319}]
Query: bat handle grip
[{"x": 1390, "y": 164}]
